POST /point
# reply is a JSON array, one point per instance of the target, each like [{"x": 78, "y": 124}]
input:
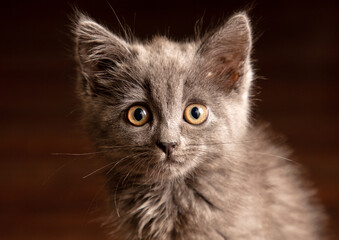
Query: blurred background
[{"x": 44, "y": 193}]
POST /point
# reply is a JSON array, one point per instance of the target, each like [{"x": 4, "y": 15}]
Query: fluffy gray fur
[{"x": 226, "y": 179}]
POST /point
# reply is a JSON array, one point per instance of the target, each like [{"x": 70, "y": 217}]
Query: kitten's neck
[{"x": 161, "y": 209}]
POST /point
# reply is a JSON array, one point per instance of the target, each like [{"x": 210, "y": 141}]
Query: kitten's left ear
[{"x": 226, "y": 52}]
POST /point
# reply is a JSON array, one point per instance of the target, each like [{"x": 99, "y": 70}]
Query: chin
[{"x": 174, "y": 168}]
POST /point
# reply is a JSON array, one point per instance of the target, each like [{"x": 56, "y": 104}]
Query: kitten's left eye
[
  {"x": 195, "y": 114},
  {"x": 138, "y": 115}
]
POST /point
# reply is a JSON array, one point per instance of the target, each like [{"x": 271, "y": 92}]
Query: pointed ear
[
  {"x": 98, "y": 52},
  {"x": 226, "y": 52}
]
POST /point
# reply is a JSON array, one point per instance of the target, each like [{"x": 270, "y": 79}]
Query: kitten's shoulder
[
  {"x": 261, "y": 137},
  {"x": 284, "y": 180}
]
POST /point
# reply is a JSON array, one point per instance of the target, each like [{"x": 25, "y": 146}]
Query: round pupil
[
  {"x": 139, "y": 114},
  {"x": 196, "y": 112}
]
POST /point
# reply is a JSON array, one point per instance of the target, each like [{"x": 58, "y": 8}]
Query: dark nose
[{"x": 167, "y": 147}]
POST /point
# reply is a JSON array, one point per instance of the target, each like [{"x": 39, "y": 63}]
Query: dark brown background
[{"x": 44, "y": 196}]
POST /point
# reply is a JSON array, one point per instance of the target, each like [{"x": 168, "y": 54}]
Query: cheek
[
  {"x": 132, "y": 135},
  {"x": 231, "y": 118},
  {"x": 195, "y": 137},
  {"x": 237, "y": 120}
]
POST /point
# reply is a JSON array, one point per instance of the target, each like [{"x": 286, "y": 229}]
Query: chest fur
[{"x": 169, "y": 211}]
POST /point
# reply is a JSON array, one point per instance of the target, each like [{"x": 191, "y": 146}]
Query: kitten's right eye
[{"x": 138, "y": 115}]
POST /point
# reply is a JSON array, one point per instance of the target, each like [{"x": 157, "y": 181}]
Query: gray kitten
[{"x": 184, "y": 160}]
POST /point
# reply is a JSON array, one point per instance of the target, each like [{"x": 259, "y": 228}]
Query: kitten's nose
[{"x": 167, "y": 147}]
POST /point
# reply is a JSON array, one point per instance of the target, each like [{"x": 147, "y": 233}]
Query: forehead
[
  {"x": 165, "y": 66},
  {"x": 165, "y": 59}
]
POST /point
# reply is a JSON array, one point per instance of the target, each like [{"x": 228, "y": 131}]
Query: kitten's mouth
[{"x": 171, "y": 159}]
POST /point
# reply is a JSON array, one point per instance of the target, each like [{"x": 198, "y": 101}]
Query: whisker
[
  {"x": 109, "y": 164},
  {"x": 136, "y": 165},
  {"x": 220, "y": 143},
  {"x": 130, "y": 147},
  {"x": 272, "y": 155},
  {"x": 98, "y": 170},
  {"x": 233, "y": 151},
  {"x": 277, "y": 156},
  {"x": 77, "y": 154},
  {"x": 55, "y": 172},
  {"x": 122, "y": 159}
]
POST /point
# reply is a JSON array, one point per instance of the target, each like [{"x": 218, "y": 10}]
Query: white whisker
[
  {"x": 97, "y": 170},
  {"x": 77, "y": 154}
]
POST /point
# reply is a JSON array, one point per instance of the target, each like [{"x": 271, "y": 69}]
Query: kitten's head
[{"x": 163, "y": 108}]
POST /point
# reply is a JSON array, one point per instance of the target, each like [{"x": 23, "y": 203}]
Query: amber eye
[
  {"x": 195, "y": 114},
  {"x": 138, "y": 115}
]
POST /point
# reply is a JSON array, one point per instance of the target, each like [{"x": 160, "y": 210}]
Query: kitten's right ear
[{"x": 98, "y": 51}]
